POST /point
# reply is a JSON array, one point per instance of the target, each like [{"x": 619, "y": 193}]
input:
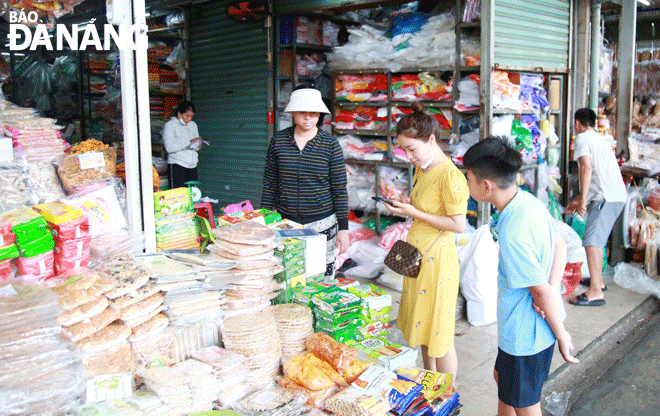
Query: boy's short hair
[
  {"x": 586, "y": 117},
  {"x": 492, "y": 158}
]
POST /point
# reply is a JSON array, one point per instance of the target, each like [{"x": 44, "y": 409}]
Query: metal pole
[
  {"x": 144, "y": 128},
  {"x": 625, "y": 71},
  {"x": 594, "y": 70},
  {"x": 131, "y": 151}
]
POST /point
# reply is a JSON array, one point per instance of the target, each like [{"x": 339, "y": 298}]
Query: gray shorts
[{"x": 601, "y": 217}]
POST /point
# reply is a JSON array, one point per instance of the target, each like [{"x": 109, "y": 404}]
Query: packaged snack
[
  {"x": 172, "y": 201},
  {"x": 81, "y": 286},
  {"x": 380, "y": 382},
  {"x": 102, "y": 209},
  {"x": 7, "y": 238},
  {"x": 26, "y": 223},
  {"x": 312, "y": 373},
  {"x": 63, "y": 264},
  {"x": 83, "y": 312},
  {"x": 58, "y": 212},
  {"x": 8, "y": 251},
  {"x": 7, "y": 270},
  {"x": 341, "y": 357},
  {"x": 385, "y": 353},
  {"x": 436, "y": 384},
  {"x": 118, "y": 358},
  {"x": 78, "y": 170},
  {"x": 303, "y": 294},
  {"x": 74, "y": 248},
  {"x": 39, "y": 267},
  {"x": 334, "y": 299},
  {"x": 78, "y": 331},
  {"x": 37, "y": 246},
  {"x": 372, "y": 296}
]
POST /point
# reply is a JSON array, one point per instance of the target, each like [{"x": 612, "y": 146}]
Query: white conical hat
[{"x": 307, "y": 99}]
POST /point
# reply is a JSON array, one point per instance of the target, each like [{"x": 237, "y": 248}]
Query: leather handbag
[{"x": 406, "y": 259}]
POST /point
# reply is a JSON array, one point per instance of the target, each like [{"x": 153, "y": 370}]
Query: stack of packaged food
[
  {"x": 187, "y": 387},
  {"x": 188, "y": 298},
  {"x": 294, "y": 324},
  {"x": 70, "y": 229},
  {"x": 291, "y": 252},
  {"x": 175, "y": 220},
  {"x": 40, "y": 372},
  {"x": 250, "y": 245},
  {"x": 33, "y": 248},
  {"x": 337, "y": 313},
  {"x": 231, "y": 371},
  {"x": 36, "y": 138},
  {"x": 375, "y": 306},
  {"x": 255, "y": 336}
]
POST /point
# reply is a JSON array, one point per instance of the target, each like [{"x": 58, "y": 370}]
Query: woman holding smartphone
[{"x": 438, "y": 205}]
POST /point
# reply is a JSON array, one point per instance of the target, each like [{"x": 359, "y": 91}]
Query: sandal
[{"x": 582, "y": 300}]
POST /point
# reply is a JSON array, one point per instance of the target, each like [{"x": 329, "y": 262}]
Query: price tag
[{"x": 91, "y": 160}]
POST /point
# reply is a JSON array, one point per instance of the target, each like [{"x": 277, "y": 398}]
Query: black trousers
[{"x": 180, "y": 175}]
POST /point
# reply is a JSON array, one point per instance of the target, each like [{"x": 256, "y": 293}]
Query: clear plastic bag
[{"x": 634, "y": 278}]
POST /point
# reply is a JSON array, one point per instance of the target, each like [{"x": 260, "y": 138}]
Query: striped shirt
[{"x": 309, "y": 184}]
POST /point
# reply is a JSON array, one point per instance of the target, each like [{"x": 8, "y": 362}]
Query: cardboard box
[
  {"x": 554, "y": 94},
  {"x": 315, "y": 248}
]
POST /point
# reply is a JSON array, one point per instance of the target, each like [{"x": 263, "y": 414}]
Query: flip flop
[
  {"x": 587, "y": 282},
  {"x": 582, "y": 300}
]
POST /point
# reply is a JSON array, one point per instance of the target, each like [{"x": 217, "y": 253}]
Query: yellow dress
[{"x": 428, "y": 302}]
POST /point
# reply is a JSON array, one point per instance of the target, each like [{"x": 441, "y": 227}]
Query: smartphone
[{"x": 382, "y": 199}]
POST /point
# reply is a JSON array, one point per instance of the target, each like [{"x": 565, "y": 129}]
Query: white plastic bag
[
  {"x": 633, "y": 278},
  {"x": 479, "y": 277}
]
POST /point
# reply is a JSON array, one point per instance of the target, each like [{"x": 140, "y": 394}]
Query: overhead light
[{"x": 644, "y": 2}]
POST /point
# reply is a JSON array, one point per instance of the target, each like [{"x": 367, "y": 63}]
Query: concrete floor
[{"x": 477, "y": 346}]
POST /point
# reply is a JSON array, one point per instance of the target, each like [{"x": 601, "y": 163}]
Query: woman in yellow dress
[{"x": 438, "y": 205}]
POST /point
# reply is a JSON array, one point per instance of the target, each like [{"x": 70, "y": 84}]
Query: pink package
[
  {"x": 5, "y": 226},
  {"x": 63, "y": 264},
  {"x": 6, "y": 269},
  {"x": 72, "y": 229},
  {"x": 239, "y": 206},
  {"x": 7, "y": 238},
  {"x": 73, "y": 249},
  {"x": 36, "y": 268}
]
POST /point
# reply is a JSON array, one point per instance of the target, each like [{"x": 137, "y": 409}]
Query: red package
[
  {"x": 5, "y": 226},
  {"x": 63, "y": 264},
  {"x": 572, "y": 276},
  {"x": 7, "y": 238},
  {"x": 73, "y": 249},
  {"x": 6, "y": 269},
  {"x": 71, "y": 230},
  {"x": 36, "y": 268}
]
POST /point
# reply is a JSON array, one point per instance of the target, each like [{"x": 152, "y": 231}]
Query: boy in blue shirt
[{"x": 530, "y": 311}]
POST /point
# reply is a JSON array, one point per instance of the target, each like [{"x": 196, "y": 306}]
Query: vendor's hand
[
  {"x": 343, "y": 241},
  {"x": 402, "y": 208},
  {"x": 576, "y": 206}
]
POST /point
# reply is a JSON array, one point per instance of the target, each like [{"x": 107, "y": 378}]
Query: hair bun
[{"x": 418, "y": 107}]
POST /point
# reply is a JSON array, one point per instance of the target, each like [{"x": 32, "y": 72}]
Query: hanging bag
[{"x": 406, "y": 259}]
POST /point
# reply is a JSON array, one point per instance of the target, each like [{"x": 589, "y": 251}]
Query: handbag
[{"x": 406, "y": 259}]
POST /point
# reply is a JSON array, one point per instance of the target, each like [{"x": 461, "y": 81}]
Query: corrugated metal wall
[
  {"x": 228, "y": 83},
  {"x": 297, "y": 6},
  {"x": 532, "y": 34}
]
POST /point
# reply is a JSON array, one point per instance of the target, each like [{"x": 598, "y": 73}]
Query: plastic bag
[
  {"x": 632, "y": 277},
  {"x": 571, "y": 277},
  {"x": 479, "y": 276}
]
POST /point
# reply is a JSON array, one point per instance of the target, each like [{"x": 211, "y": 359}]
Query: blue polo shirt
[{"x": 526, "y": 237}]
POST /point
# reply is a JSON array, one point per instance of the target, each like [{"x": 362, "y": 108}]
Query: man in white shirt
[{"x": 602, "y": 197}]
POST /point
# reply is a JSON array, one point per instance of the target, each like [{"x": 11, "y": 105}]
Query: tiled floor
[{"x": 477, "y": 346}]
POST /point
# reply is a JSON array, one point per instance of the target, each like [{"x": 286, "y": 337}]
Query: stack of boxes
[
  {"x": 291, "y": 252},
  {"x": 263, "y": 215},
  {"x": 176, "y": 228},
  {"x": 376, "y": 304},
  {"x": 34, "y": 243},
  {"x": 70, "y": 229},
  {"x": 337, "y": 312}
]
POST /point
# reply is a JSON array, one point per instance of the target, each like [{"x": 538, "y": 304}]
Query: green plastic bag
[
  {"x": 523, "y": 135},
  {"x": 553, "y": 207}
]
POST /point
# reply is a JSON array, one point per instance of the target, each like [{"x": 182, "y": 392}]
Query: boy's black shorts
[{"x": 521, "y": 378}]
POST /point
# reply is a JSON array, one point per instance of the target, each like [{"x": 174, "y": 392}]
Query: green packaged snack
[
  {"x": 287, "y": 256},
  {"x": 10, "y": 251},
  {"x": 377, "y": 315},
  {"x": 348, "y": 333},
  {"x": 287, "y": 245},
  {"x": 338, "y": 317},
  {"x": 334, "y": 300},
  {"x": 295, "y": 263},
  {"x": 329, "y": 327},
  {"x": 374, "y": 330},
  {"x": 38, "y": 246},
  {"x": 288, "y": 273},
  {"x": 372, "y": 296},
  {"x": 270, "y": 217},
  {"x": 303, "y": 294},
  {"x": 317, "y": 278}
]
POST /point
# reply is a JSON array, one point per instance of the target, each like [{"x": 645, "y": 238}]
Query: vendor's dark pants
[{"x": 180, "y": 175}]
